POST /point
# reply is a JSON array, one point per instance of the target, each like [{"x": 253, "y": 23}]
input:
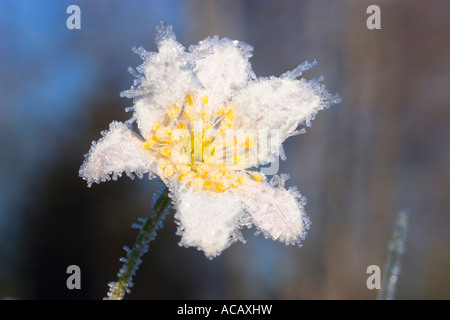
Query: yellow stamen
[
  {"x": 230, "y": 115},
  {"x": 148, "y": 144},
  {"x": 166, "y": 152},
  {"x": 238, "y": 159},
  {"x": 241, "y": 179},
  {"x": 223, "y": 169},
  {"x": 190, "y": 100},
  {"x": 224, "y": 111},
  {"x": 205, "y": 116},
  {"x": 220, "y": 187},
  {"x": 173, "y": 112},
  {"x": 249, "y": 142},
  {"x": 169, "y": 171},
  {"x": 208, "y": 184},
  {"x": 258, "y": 176},
  {"x": 188, "y": 114},
  {"x": 184, "y": 169},
  {"x": 195, "y": 157},
  {"x": 198, "y": 182},
  {"x": 227, "y": 123}
]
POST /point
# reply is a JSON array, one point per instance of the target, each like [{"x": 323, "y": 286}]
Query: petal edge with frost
[
  {"x": 120, "y": 150},
  {"x": 276, "y": 103},
  {"x": 277, "y": 212},
  {"x": 162, "y": 81},
  {"x": 222, "y": 67}
]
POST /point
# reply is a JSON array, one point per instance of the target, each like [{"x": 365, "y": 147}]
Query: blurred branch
[{"x": 396, "y": 248}]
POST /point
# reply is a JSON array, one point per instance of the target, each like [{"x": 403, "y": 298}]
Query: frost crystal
[
  {"x": 205, "y": 120},
  {"x": 118, "y": 151}
]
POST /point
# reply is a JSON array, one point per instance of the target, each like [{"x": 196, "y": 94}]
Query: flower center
[{"x": 199, "y": 146}]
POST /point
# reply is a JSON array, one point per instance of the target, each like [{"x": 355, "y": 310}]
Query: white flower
[{"x": 205, "y": 120}]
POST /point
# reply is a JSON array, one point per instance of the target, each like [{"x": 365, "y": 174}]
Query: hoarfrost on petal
[
  {"x": 120, "y": 150},
  {"x": 299, "y": 70},
  {"x": 208, "y": 221},
  {"x": 275, "y": 103},
  {"x": 277, "y": 212},
  {"x": 164, "y": 32},
  {"x": 164, "y": 80},
  {"x": 222, "y": 67}
]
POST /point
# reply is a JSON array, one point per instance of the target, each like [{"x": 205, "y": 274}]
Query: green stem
[{"x": 146, "y": 234}]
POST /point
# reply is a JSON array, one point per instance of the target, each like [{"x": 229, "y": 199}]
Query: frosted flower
[{"x": 205, "y": 123}]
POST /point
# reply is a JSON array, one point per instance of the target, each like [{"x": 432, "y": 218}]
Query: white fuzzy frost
[
  {"x": 222, "y": 67},
  {"x": 276, "y": 103},
  {"x": 164, "y": 81},
  {"x": 277, "y": 212},
  {"x": 209, "y": 222},
  {"x": 118, "y": 151}
]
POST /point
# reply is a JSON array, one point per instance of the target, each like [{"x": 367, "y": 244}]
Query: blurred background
[{"x": 384, "y": 149}]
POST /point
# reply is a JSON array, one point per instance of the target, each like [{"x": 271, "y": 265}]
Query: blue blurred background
[{"x": 385, "y": 148}]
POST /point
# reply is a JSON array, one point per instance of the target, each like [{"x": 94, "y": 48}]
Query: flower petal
[
  {"x": 209, "y": 222},
  {"x": 164, "y": 79},
  {"x": 277, "y": 212},
  {"x": 274, "y": 107},
  {"x": 277, "y": 103},
  {"x": 120, "y": 150},
  {"x": 222, "y": 67}
]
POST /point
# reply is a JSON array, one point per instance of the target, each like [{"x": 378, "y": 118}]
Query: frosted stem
[
  {"x": 146, "y": 234},
  {"x": 397, "y": 246}
]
